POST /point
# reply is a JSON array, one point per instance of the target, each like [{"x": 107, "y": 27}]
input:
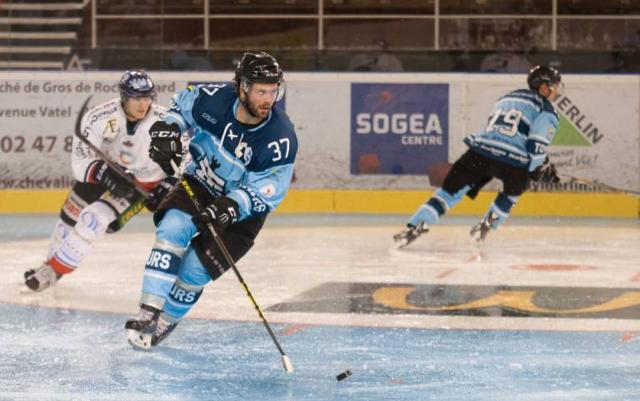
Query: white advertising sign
[{"x": 599, "y": 137}]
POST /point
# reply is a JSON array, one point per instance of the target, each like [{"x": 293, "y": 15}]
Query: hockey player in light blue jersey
[
  {"x": 512, "y": 147},
  {"x": 243, "y": 152}
]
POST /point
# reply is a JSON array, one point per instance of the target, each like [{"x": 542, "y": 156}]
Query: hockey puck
[{"x": 343, "y": 375}]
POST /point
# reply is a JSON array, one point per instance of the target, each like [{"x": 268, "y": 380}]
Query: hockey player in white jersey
[
  {"x": 512, "y": 147},
  {"x": 102, "y": 201},
  {"x": 243, "y": 151}
]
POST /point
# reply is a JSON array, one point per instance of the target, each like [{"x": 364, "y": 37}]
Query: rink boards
[{"x": 368, "y": 143}]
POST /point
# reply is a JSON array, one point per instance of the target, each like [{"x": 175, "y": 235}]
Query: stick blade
[{"x": 286, "y": 362}]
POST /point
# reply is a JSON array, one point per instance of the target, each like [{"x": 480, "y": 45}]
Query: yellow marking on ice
[{"x": 396, "y": 297}]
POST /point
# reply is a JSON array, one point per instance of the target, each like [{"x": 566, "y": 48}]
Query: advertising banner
[
  {"x": 598, "y": 135},
  {"x": 355, "y": 131},
  {"x": 39, "y": 115},
  {"x": 400, "y": 129}
]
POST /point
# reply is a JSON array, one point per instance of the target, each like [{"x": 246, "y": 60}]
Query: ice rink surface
[{"x": 546, "y": 309}]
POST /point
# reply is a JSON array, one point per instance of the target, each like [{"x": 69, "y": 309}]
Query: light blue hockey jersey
[
  {"x": 252, "y": 165},
  {"x": 519, "y": 130}
]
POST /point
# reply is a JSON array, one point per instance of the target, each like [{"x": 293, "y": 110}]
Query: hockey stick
[
  {"x": 584, "y": 181},
  {"x": 286, "y": 362}
]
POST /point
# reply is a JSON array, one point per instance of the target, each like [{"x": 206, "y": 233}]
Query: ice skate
[
  {"x": 409, "y": 234},
  {"x": 163, "y": 329},
  {"x": 479, "y": 231},
  {"x": 41, "y": 278},
  {"x": 141, "y": 328}
]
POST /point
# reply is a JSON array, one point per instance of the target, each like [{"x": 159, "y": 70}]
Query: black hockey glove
[
  {"x": 546, "y": 172},
  {"x": 113, "y": 182},
  {"x": 160, "y": 191},
  {"x": 221, "y": 213},
  {"x": 165, "y": 145}
]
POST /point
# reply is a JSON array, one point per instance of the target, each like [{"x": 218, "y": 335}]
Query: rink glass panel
[
  {"x": 379, "y": 7},
  {"x": 263, "y": 33},
  {"x": 496, "y": 7},
  {"x": 365, "y": 33},
  {"x": 407, "y": 25},
  {"x": 264, "y": 7},
  {"x": 146, "y": 33},
  {"x": 155, "y": 7},
  {"x": 576, "y": 34},
  {"x": 495, "y": 34},
  {"x": 593, "y": 7}
]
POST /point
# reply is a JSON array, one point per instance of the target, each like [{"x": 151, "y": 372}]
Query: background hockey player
[
  {"x": 512, "y": 147},
  {"x": 101, "y": 200},
  {"x": 243, "y": 152}
]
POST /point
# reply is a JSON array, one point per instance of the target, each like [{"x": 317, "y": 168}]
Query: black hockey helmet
[
  {"x": 543, "y": 74},
  {"x": 260, "y": 68},
  {"x": 136, "y": 83}
]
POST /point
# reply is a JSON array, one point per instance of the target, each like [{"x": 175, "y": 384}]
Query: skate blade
[
  {"x": 139, "y": 341},
  {"x": 476, "y": 235},
  {"x": 478, "y": 240},
  {"x": 24, "y": 289},
  {"x": 399, "y": 241}
]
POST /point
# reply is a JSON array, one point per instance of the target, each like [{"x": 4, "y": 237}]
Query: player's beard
[
  {"x": 258, "y": 110},
  {"x": 264, "y": 109}
]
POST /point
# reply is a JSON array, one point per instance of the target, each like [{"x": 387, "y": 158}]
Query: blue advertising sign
[{"x": 400, "y": 129}]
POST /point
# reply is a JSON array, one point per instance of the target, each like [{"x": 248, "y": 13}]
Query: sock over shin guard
[
  {"x": 501, "y": 207},
  {"x": 91, "y": 225},
  {"x": 429, "y": 213},
  {"x": 181, "y": 299},
  {"x": 60, "y": 232},
  {"x": 160, "y": 272}
]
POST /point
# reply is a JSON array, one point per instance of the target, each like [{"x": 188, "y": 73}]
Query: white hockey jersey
[{"x": 105, "y": 126}]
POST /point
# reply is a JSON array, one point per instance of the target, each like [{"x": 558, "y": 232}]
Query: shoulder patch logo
[
  {"x": 111, "y": 129},
  {"x": 268, "y": 190}
]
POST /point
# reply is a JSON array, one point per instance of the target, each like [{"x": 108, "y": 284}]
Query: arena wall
[{"x": 369, "y": 143}]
